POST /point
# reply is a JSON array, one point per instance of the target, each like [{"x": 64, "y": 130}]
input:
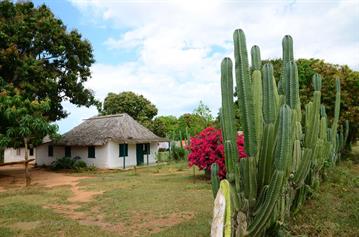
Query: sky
[{"x": 170, "y": 51}]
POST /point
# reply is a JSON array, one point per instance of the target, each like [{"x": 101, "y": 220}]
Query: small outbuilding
[
  {"x": 111, "y": 141},
  {"x": 18, "y": 154}
]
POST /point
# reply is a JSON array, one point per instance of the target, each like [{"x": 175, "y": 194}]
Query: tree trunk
[{"x": 27, "y": 172}]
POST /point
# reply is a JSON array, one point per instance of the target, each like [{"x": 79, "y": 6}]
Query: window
[
  {"x": 91, "y": 152},
  {"x": 18, "y": 151},
  {"x": 50, "y": 150},
  {"x": 123, "y": 150},
  {"x": 31, "y": 151},
  {"x": 147, "y": 149},
  {"x": 67, "y": 151}
]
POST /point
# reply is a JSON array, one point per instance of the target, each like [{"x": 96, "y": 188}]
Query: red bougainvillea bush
[{"x": 207, "y": 148}]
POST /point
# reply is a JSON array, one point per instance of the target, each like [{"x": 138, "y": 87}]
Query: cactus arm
[
  {"x": 270, "y": 95},
  {"x": 303, "y": 168},
  {"x": 336, "y": 109},
  {"x": 265, "y": 163},
  {"x": 257, "y": 101},
  {"x": 256, "y": 58},
  {"x": 225, "y": 187},
  {"x": 214, "y": 179},
  {"x": 346, "y": 131},
  {"x": 249, "y": 179},
  {"x": 244, "y": 92},
  {"x": 257, "y": 92},
  {"x": 282, "y": 154},
  {"x": 283, "y": 150},
  {"x": 264, "y": 212},
  {"x": 287, "y": 56},
  {"x": 227, "y": 120},
  {"x": 291, "y": 89}
]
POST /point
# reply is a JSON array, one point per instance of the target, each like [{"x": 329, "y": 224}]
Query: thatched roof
[{"x": 98, "y": 130}]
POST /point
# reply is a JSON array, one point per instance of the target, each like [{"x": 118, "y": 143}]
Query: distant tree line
[{"x": 144, "y": 111}]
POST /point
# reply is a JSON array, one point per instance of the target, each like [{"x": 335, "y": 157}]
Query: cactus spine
[{"x": 283, "y": 162}]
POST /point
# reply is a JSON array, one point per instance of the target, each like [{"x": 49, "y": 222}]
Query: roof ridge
[{"x": 106, "y": 116}]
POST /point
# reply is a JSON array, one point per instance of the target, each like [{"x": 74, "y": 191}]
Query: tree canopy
[
  {"x": 164, "y": 126},
  {"x": 23, "y": 122},
  {"x": 43, "y": 60},
  {"x": 137, "y": 106},
  {"x": 349, "y": 80},
  {"x": 203, "y": 111}
]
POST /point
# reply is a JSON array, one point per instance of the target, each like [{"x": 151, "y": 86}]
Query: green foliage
[
  {"x": 164, "y": 126},
  {"x": 137, "y": 106},
  {"x": 203, "y": 111},
  {"x": 188, "y": 124},
  {"x": 63, "y": 163},
  {"x": 177, "y": 152},
  {"x": 71, "y": 164},
  {"x": 349, "y": 80},
  {"x": 22, "y": 120},
  {"x": 192, "y": 123},
  {"x": 42, "y": 59}
]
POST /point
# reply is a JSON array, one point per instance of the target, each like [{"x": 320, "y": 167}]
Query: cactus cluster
[{"x": 286, "y": 152}]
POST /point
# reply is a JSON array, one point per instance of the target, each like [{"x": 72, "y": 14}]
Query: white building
[
  {"x": 112, "y": 141},
  {"x": 18, "y": 154}
]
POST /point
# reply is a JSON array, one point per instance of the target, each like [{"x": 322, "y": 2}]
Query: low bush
[
  {"x": 177, "y": 153},
  {"x": 63, "y": 163},
  {"x": 162, "y": 156},
  {"x": 75, "y": 164}
]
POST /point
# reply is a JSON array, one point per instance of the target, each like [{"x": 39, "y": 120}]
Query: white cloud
[{"x": 180, "y": 43}]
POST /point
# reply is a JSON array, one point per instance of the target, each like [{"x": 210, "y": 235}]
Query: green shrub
[
  {"x": 177, "y": 153},
  {"x": 162, "y": 156},
  {"x": 75, "y": 164},
  {"x": 63, "y": 163}
]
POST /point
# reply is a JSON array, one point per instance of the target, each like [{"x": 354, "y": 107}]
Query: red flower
[{"x": 207, "y": 148}]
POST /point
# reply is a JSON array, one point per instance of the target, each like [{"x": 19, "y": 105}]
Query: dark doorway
[{"x": 139, "y": 154}]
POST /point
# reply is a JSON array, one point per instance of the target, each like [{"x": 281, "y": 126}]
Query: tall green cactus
[
  {"x": 284, "y": 161},
  {"x": 227, "y": 120},
  {"x": 257, "y": 97},
  {"x": 244, "y": 92}
]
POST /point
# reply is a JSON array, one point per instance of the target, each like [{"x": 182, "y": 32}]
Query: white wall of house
[
  {"x": 100, "y": 160},
  {"x": 11, "y": 154},
  {"x": 106, "y": 156},
  {"x": 115, "y": 161},
  {"x": 131, "y": 160},
  {"x": 42, "y": 157}
]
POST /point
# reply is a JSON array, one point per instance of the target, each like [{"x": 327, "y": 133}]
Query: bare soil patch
[{"x": 14, "y": 177}]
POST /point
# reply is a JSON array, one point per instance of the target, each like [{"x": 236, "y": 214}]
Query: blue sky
[{"x": 170, "y": 51}]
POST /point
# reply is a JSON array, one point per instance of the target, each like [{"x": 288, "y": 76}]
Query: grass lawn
[
  {"x": 164, "y": 200},
  {"x": 334, "y": 209},
  {"x": 158, "y": 201}
]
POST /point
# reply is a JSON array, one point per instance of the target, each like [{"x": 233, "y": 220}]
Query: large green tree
[
  {"x": 23, "y": 122},
  {"x": 191, "y": 124},
  {"x": 137, "y": 106},
  {"x": 349, "y": 80},
  {"x": 41, "y": 58},
  {"x": 164, "y": 126}
]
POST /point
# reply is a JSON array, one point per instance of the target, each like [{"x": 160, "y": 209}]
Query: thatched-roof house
[{"x": 111, "y": 141}]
